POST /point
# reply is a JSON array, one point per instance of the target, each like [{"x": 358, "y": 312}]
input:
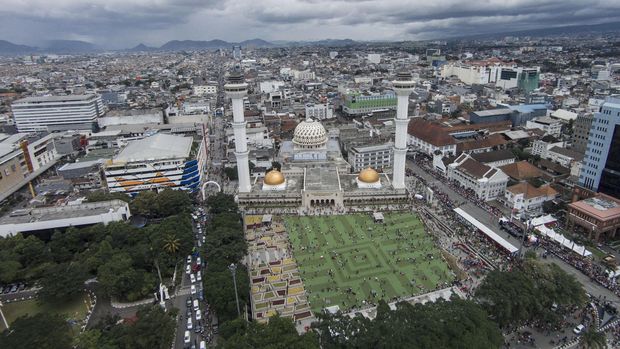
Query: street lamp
[
  {"x": 6, "y": 324},
  {"x": 233, "y": 270}
]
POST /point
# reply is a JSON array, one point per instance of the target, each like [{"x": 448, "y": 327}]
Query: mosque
[{"x": 314, "y": 177}]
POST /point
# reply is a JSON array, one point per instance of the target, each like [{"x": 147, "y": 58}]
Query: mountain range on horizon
[{"x": 76, "y": 46}]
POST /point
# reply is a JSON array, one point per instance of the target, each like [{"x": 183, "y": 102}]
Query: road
[{"x": 180, "y": 302}]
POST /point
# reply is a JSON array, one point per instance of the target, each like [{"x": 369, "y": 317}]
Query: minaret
[
  {"x": 236, "y": 89},
  {"x": 403, "y": 86}
]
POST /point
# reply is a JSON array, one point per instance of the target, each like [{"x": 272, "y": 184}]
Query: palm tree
[
  {"x": 171, "y": 244},
  {"x": 591, "y": 339}
]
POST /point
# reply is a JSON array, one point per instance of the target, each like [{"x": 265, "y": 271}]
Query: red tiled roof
[
  {"x": 429, "y": 132},
  {"x": 521, "y": 170},
  {"x": 489, "y": 142},
  {"x": 474, "y": 168},
  {"x": 530, "y": 191}
]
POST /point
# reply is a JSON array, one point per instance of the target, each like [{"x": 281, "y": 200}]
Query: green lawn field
[
  {"x": 346, "y": 260},
  {"x": 74, "y": 309}
]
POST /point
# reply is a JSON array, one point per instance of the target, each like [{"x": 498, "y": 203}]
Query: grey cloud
[{"x": 125, "y": 22}]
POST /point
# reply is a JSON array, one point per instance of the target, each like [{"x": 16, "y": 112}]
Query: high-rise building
[
  {"x": 601, "y": 165},
  {"x": 57, "y": 113},
  {"x": 581, "y": 131},
  {"x": 237, "y": 52}
]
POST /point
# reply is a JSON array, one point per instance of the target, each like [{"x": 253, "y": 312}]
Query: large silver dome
[{"x": 310, "y": 134}]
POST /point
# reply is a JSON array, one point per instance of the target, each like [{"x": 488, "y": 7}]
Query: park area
[
  {"x": 74, "y": 311},
  {"x": 351, "y": 261}
]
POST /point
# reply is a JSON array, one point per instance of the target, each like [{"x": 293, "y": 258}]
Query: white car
[
  {"x": 189, "y": 323},
  {"x": 189, "y": 259},
  {"x": 188, "y": 269},
  {"x": 192, "y": 278},
  {"x": 203, "y": 345},
  {"x": 186, "y": 338},
  {"x": 198, "y": 315},
  {"x": 193, "y": 289},
  {"x": 203, "y": 239},
  {"x": 579, "y": 329},
  {"x": 198, "y": 276},
  {"x": 198, "y": 261}
]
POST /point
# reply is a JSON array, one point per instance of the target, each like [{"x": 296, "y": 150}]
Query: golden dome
[
  {"x": 274, "y": 177},
  {"x": 368, "y": 176}
]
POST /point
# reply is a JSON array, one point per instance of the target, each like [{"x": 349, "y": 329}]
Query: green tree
[
  {"x": 221, "y": 202},
  {"x": 231, "y": 173},
  {"x": 9, "y": 271},
  {"x": 62, "y": 282},
  {"x": 154, "y": 329},
  {"x": 88, "y": 339},
  {"x": 172, "y": 202},
  {"x": 145, "y": 204},
  {"x": 591, "y": 339},
  {"x": 43, "y": 330},
  {"x": 220, "y": 292},
  {"x": 278, "y": 333},
  {"x": 454, "y": 324}
]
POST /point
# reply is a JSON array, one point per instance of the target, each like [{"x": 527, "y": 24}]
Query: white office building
[
  {"x": 201, "y": 90},
  {"x": 319, "y": 111},
  {"x": 57, "y": 113},
  {"x": 374, "y": 156}
]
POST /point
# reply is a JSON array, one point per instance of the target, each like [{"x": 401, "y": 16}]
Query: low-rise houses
[{"x": 524, "y": 197}]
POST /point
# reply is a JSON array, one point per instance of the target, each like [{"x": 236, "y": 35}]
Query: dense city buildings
[{"x": 313, "y": 178}]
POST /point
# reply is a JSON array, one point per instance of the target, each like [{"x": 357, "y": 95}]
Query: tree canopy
[
  {"x": 527, "y": 293},
  {"x": 43, "y": 330},
  {"x": 278, "y": 333},
  {"x": 454, "y": 324},
  {"x": 153, "y": 329}
]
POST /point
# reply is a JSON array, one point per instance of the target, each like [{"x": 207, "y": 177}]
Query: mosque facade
[{"x": 314, "y": 178}]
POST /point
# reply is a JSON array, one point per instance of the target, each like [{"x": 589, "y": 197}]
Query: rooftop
[
  {"x": 521, "y": 170},
  {"x": 492, "y": 156},
  {"x": 601, "y": 206},
  {"x": 529, "y": 191},
  {"x": 61, "y": 212},
  {"x": 492, "y": 112},
  {"x": 44, "y": 99},
  {"x": 158, "y": 146}
]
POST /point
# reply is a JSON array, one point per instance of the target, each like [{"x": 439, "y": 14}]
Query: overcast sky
[{"x": 125, "y": 23}]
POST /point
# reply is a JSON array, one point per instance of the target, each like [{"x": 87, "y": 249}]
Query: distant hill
[
  {"x": 69, "y": 46},
  {"x": 142, "y": 48},
  {"x": 8, "y": 48},
  {"x": 612, "y": 27},
  {"x": 255, "y": 43},
  {"x": 180, "y": 45}
]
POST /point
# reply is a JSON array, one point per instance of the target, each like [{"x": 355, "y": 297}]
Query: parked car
[
  {"x": 192, "y": 278},
  {"x": 188, "y": 302},
  {"x": 189, "y": 259},
  {"x": 21, "y": 287},
  {"x": 189, "y": 323},
  {"x": 186, "y": 337},
  {"x": 198, "y": 316},
  {"x": 188, "y": 269},
  {"x": 193, "y": 289},
  {"x": 14, "y": 289},
  {"x": 579, "y": 329},
  {"x": 198, "y": 276}
]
